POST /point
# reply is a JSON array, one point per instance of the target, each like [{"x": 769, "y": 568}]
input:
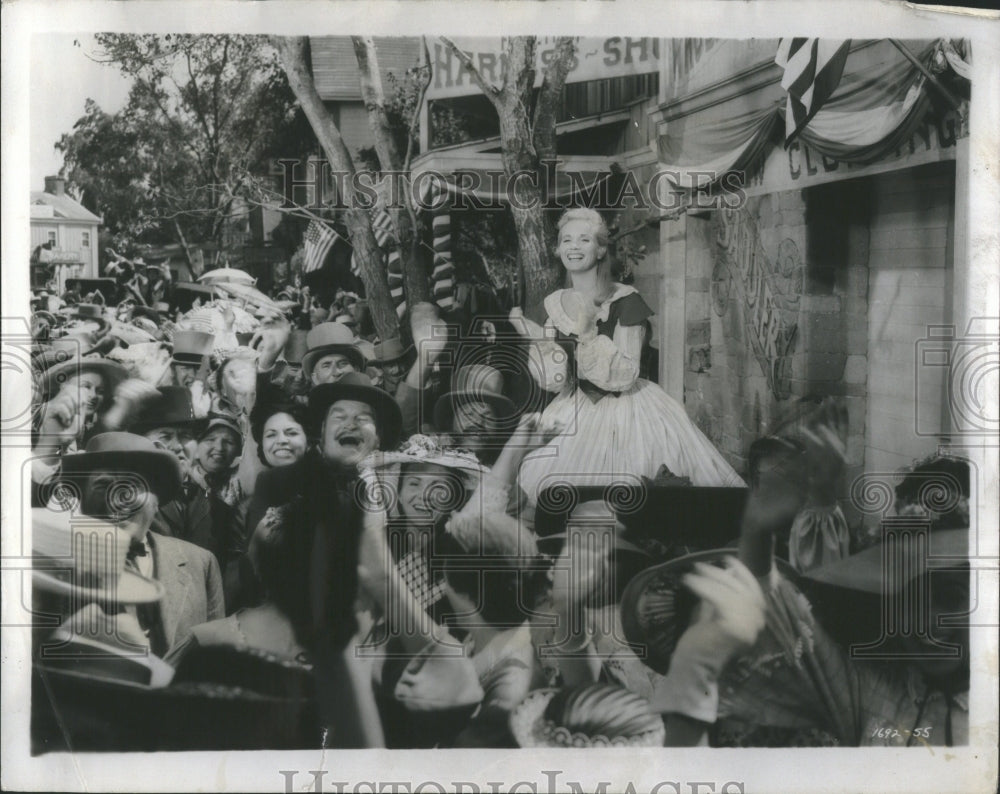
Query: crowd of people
[{"x": 461, "y": 539}]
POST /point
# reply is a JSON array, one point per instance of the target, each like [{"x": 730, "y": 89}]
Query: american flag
[
  {"x": 319, "y": 239},
  {"x": 382, "y": 228},
  {"x": 813, "y": 68}
]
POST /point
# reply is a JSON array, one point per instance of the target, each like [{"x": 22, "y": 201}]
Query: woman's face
[
  {"x": 218, "y": 450},
  {"x": 427, "y": 492},
  {"x": 578, "y": 248},
  {"x": 89, "y": 389},
  {"x": 283, "y": 441}
]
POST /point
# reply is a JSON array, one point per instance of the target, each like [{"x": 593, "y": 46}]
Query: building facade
[{"x": 63, "y": 233}]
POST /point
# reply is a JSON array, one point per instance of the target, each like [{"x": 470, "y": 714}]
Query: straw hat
[{"x": 85, "y": 558}]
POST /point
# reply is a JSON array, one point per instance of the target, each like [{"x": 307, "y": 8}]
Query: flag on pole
[
  {"x": 319, "y": 239},
  {"x": 813, "y": 68}
]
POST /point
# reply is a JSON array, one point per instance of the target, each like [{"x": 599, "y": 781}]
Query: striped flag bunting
[
  {"x": 319, "y": 239},
  {"x": 442, "y": 274},
  {"x": 813, "y": 68}
]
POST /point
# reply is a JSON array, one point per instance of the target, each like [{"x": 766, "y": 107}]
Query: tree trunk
[
  {"x": 524, "y": 141},
  {"x": 415, "y": 281},
  {"x": 294, "y": 54}
]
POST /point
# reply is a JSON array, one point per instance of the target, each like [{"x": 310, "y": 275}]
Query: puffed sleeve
[
  {"x": 548, "y": 362},
  {"x": 611, "y": 364}
]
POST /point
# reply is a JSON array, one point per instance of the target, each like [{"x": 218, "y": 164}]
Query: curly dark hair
[{"x": 262, "y": 411}]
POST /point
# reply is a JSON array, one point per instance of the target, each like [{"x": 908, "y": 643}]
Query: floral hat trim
[{"x": 421, "y": 448}]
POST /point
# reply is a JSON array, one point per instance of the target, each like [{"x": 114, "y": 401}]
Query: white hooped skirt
[{"x": 619, "y": 439}]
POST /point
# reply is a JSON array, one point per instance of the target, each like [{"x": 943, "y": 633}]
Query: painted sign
[
  {"x": 593, "y": 59},
  {"x": 743, "y": 267},
  {"x": 799, "y": 166}
]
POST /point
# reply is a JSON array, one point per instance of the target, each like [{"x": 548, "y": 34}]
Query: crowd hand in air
[
  {"x": 270, "y": 339},
  {"x": 526, "y": 327},
  {"x": 201, "y": 399},
  {"x": 727, "y": 621},
  {"x": 531, "y": 434},
  {"x": 62, "y": 422},
  {"x": 128, "y": 399},
  {"x": 428, "y": 332},
  {"x": 381, "y": 580}
]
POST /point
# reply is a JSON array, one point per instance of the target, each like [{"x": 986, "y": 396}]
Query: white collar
[{"x": 562, "y": 321}]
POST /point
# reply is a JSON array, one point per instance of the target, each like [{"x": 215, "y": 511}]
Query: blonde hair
[{"x": 593, "y": 217}]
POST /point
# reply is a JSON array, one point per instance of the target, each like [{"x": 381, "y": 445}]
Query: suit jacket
[
  {"x": 190, "y": 575},
  {"x": 205, "y": 520}
]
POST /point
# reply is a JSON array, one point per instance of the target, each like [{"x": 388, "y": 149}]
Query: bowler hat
[
  {"x": 474, "y": 383},
  {"x": 172, "y": 408},
  {"x": 191, "y": 347},
  {"x": 327, "y": 338},
  {"x": 130, "y": 455},
  {"x": 85, "y": 557},
  {"x": 90, "y": 312},
  {"x": 358, "y": 386}
]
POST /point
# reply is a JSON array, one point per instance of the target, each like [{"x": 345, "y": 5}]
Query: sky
[{"x": 62, "y": 79}]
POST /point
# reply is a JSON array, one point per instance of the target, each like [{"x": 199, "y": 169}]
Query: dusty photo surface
[{"x": 497, "y": 397}]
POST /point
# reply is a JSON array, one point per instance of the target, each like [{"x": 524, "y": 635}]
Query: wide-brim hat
[
  {"x": 90, "y": 312},
  {"x": 328, "y": 338},
  {"x": 57, "y": 539},
  {"x": 358, "y": 386},
  {"x": 531, "y": 728},
  {"x": 132, "y": 455},
  {"x": 444, "y": 408},
  {"x": 425, "y": 449},
  {"x": 172, "y": 408},
  {"x": 866, "y": 571},
  {"x": 684, "y": 515},
  {"x": 63, "y": 369},
  {"x": 656, "y": 607}
]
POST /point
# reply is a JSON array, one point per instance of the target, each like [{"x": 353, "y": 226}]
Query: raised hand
[
  {"x": 731, "y": 613},
  {"x": 128, "y": 398},
  {"x": 423, "y": 322},
  {"x": 270, "y": 339},
  {"x": 62, "y": 422},
  {"x": 529, "y": 329}
]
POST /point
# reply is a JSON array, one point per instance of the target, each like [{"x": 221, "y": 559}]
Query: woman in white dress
[{"x": 616, "y": 426}]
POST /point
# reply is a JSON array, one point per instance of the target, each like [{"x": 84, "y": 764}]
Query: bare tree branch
[{"x": 492, "y": 92}]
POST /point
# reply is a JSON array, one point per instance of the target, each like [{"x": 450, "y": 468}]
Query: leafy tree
[{"x": 205, "y": 113}]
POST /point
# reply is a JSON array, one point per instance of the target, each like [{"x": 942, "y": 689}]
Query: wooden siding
[{"x": 909, "y": 289}]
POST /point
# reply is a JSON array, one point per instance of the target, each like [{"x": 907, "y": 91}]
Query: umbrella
[
  {"x": 248, "y": 294},
  {"x": 230, "y": 275}
]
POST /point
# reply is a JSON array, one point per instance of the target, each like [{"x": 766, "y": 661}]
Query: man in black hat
[
  {"x": 334, "y": 534},
  {"x": 195, "y": 514}
]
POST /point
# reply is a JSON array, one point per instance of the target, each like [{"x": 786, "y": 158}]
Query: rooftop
[{"x": 49, "y": 205}]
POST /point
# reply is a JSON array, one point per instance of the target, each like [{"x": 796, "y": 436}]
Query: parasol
[{"x": 228, "y": 275}]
